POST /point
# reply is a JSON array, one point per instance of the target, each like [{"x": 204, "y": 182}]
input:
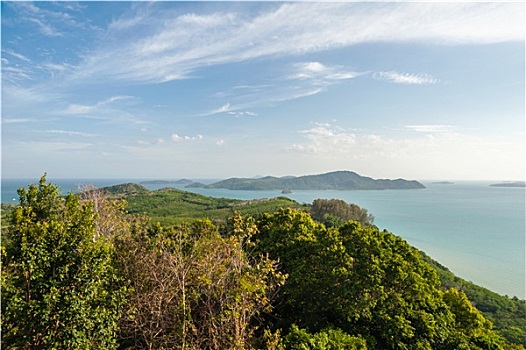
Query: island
[
  {"x": 166, "y": 182},
  {"x": 337, "y": 180},
  {"x": 510, "y": 184},
  {"x": 443, "y": 183}
]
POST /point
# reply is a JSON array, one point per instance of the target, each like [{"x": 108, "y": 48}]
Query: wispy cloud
[
  {"x": 240, "y": 114},
  {"x": 97, "y": 108},
  {"x": 434, "y": 149},
  {"x": 16, "y": 54},
  {"x": 324, "y": 138},
  {"x": 165, "y": 52},
  {"x": 70, "y": 133},
  {"x": 225, "y": 108},
  {"x": 50, "y": 22},
  {"x": 321, "y": 73},
  {"x": 178, "y": 138},
  {"x": 17, "y": 120},
  {"x": 430, "y": 128},
  {"x": 406, "y": 78},
  {"x": 17, "y": 74},
  {"x": 294, "y": 81}
]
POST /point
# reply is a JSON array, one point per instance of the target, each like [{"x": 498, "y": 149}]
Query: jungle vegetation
[{"x": 109, "y": 270}]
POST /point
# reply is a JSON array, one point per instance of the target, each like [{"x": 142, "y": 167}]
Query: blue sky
[{"x": 223, "y": 89}]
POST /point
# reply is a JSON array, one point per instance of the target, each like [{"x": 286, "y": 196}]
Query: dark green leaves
[{"x": 58, "y": 285}]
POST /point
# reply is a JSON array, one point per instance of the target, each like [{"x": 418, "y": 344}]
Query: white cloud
[
  {"x": 435, "y": 151},
  {"x": 226, "y": 108},
  {"x": 45, "y": 28},
  {"x": 311, "y": 78},
  {"x": 406, "y": 78},
  {"x": 175, "y": 137},
  {"x": 222, "y": 109},
  {"x": 78, "y": 109},
  {"x": 240, "y": 114},
  {"x": 325, "y": 139},
  {"x": 17, "y": 120},
  {"x": 50, "y": 22},
  {"x": 430, "y": 128},
  {"x": 109, "y": 109},
  {"x": 312, "y": 67},
  {"x": 322, "y": 74},
  {"x": 84, "y": 109},
  {"x": 178, "y": 138},
  {"x": 70, "y": 133},
  {"x": 175, "y": 45},
  {"x": 17, "y": 55}
]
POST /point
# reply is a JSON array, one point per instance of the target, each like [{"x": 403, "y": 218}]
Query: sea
[{"x": 474, "y": 229}]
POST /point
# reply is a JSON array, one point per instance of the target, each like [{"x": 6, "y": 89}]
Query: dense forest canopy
[{"x": 83, "y": 272}]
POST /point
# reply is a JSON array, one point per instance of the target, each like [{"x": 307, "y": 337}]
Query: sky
[{"x": 168, "y": 90}]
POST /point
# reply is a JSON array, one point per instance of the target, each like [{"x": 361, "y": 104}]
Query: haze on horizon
[{"x": 235, "y": 89}]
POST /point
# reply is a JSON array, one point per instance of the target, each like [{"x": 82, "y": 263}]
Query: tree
[
  {"x": 367, "y": 283},
  {"x": 472, "y": 330},
  {"x": 317, "y": 266},
  {"x": 193, "y": 288},
  {"x": 59, "y": 287},
  {"x": 335, "y": 212},
  {"x": 327, "y": 339}
]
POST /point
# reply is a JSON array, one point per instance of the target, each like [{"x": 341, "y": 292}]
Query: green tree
[
  {"x": 473, "y": 331},
  {"x": 335, "y": 212},
  {"x": 59, "y": 287},
  {"x": 367, "y": 283},
  {"x": 327, "y": 339}
]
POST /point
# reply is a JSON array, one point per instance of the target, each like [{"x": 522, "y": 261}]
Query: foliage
[
  {"x": 193, "y": 288},
  {"x": 473, "y": 330},
  {"x": 335, "y": 212},
  {"x": 327, "y": 339},
  {"x": 365, "y": 282},
  {"x": 508, "y": 315},
  {"x": 6, "y": 209},
  {"x": 58, "y": 283},
  {"x": 80, "y": 272},
  {"x": 170, "y": 206}
]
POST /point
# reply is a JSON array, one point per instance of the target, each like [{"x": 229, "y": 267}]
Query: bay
[{"x": 477, "y": 231}]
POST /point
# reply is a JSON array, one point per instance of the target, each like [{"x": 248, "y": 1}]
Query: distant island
[
  {"x": 443, "y": 183},
  {"x": 166, "y": 182},
  {"x": 337, "y": 180},
  {"x": 510, "y": 184}
]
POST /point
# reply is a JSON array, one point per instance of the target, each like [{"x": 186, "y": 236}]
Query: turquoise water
[{"x": 477, "y": 231}]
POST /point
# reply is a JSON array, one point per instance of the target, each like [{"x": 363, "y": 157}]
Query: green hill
[
  {"x": 344, "y": 285},
  {"x": 171, "y": 206},
  {"x": 338, "y": 180}
]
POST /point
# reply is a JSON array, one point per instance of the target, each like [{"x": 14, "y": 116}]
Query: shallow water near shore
[{"x": 477, "y": 231}]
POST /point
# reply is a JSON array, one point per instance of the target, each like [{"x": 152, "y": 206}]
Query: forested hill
[
  {"x": 100, "y": 270},
  {"x": 338, "y": 180}
]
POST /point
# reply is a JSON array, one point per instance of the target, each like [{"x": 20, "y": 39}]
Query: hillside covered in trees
[
  {"x": 337, "y": 180},
  {"x": 110, "y": 269}
]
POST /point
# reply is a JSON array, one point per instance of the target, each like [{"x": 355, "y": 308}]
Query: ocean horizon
[{"x": 472, "y": 228}]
